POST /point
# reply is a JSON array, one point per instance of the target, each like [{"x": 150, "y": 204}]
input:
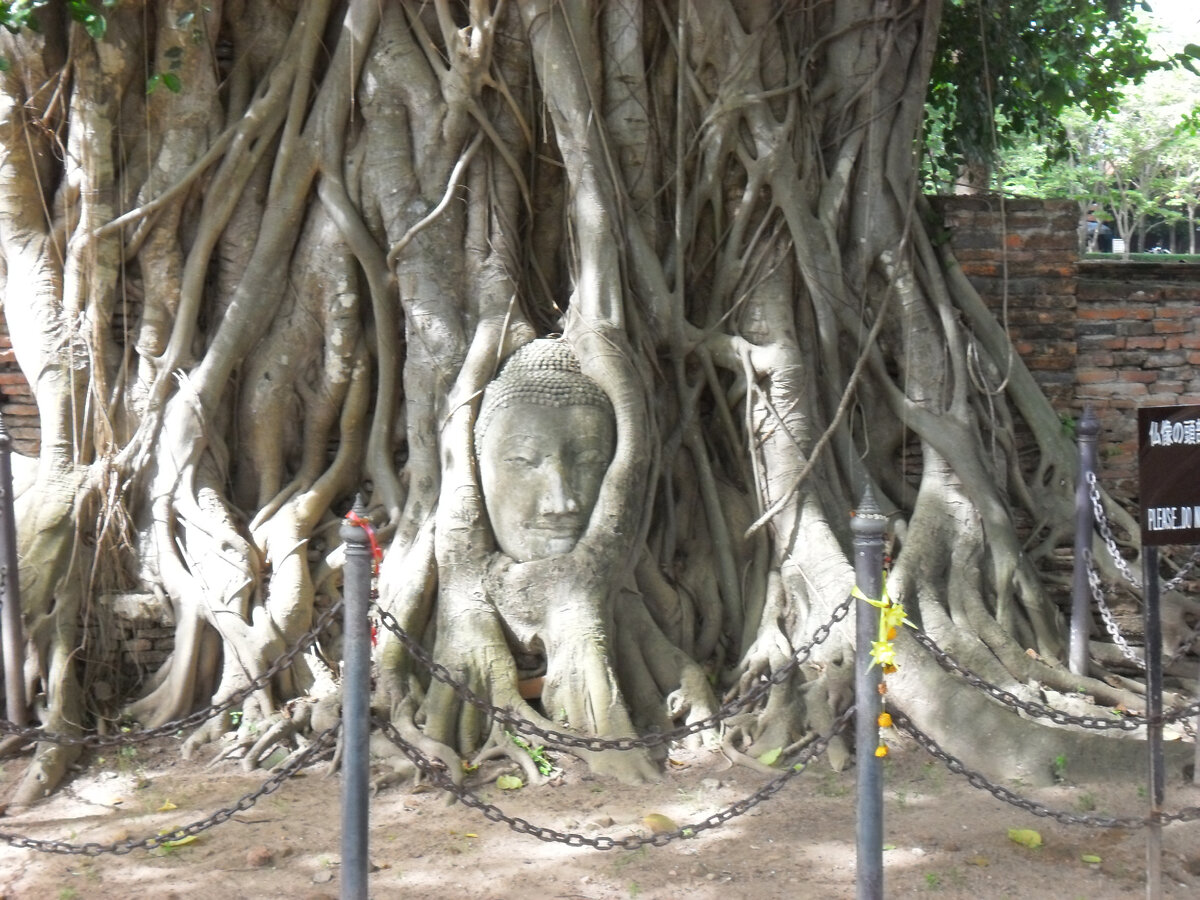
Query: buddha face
[{"x": 541, "y": 468}]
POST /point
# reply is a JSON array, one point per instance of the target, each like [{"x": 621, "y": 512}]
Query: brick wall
[
  {"x": 1111, "y": 334},
  {"x": 16, "y": 398},
  {"x": 1138, "y": 337},
  {"x": 1033, "y": 244}
]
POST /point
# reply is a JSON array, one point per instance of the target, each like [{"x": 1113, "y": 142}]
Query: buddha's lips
[{"x": 567, "y": 528}]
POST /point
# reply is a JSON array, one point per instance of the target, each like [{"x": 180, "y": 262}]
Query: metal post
[
  {"x": 356, "y": 641},
  {"x": 1081, "y": 605},
  {"x": 12, "y": 640},
  {"x": 1154, "y": 726},
  {"x": 1196, "y": 748},
  {"x": 868, "y": 526}
]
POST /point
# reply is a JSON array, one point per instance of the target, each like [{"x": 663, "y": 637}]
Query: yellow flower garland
[{"x": 883, "y": 651}]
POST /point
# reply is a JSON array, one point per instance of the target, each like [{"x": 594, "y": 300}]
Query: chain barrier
[
  {"x": 1110, "y": 623},
  {"x": 1123, "y": 721},
  {"x": 930, "y": 746},
  {"x": 437, "y": 774},
  {"x": 509, "y": 719},
  {"x": 1110, "y": 542},
  {"x": 1106, "y": 532},
  {"x": 195, "y": 718},
  {"x": 92, "y": 848},
  {"x": 976, "y": 780},
  {"x": 1114, "y": 630}
]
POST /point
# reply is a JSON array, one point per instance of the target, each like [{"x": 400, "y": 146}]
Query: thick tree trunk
[{"x": 293, "y": 279}]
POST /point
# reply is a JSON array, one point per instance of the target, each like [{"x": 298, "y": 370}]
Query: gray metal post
[
  {"x": 356, "y": 686},
  {"x": 868, "y": 527},
  {"x": 1154, "y": 726},
  {"x": 1196, "y": 748},
  {"x": 12, "y": 639},
  {"x": 1081, "y": 597}
]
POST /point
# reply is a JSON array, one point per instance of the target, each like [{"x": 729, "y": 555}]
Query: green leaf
[
  {"x": 1090, "y": 858},
  {"x": 152, "y": 82},
  {"x": 1026, "y": 837},
  {"x": 660, "y": 824},
  {"x": 95, "y": 26},
  {"x": 509, "y": 783},
  {"x": 172, "y": 82},
  {"x": 771, "y": 756}
]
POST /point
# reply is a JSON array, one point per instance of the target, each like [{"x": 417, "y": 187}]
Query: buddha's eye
[
  {"x": 520, "y": 460},
  {"x": 591, "y": 458}
]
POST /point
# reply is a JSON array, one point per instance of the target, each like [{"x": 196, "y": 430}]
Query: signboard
[{"x": 1169, "y": 474}]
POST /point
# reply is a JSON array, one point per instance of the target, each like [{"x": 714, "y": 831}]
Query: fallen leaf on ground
[
  {"x": 769, "y": 758},
  {"x": 660, "y": 824},
  {"x": 1026, "y": 837}
]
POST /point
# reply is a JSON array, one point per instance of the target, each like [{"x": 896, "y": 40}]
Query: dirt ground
[{"x": 942, "y": 837}]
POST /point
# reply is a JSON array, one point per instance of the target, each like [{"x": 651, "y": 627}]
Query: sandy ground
[{"x": 943, "y": 837}]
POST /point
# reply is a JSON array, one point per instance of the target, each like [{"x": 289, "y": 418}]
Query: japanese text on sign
[
  {"x": 1166, "y": 433},
  {"x": 1169, "y": 474}
]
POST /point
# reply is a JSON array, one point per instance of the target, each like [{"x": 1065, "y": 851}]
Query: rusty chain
[
  {"x": 120, "y": 848},
  {"x": 194, "y": 718},
  {"x": 510, "y": 719},
  {"x": 603, "y": 842},
  {"x": 1122, "y": 721},
  {"x": 976, "y": 780}
]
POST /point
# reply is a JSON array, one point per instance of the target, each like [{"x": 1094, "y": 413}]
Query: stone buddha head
[{"x": 544, "y": 439}]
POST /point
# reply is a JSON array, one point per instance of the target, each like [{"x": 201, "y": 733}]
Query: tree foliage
[
  {"x": 1135, "y": 166},
  {"x": 1007, "y": 70}
]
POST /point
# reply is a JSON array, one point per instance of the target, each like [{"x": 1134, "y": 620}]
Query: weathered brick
[
  {"x": 1115, "y": 313},
  {"x": 1139, "y": 376},
  {"x": 1130, "y": 358},
  {"x": 1122, "y": 388},
  {"x": 1050, "y": 363},
  {"x": 1097, "y": 329},
  {"x": 1177, "y": 312},
  {"x": 1096, "y": 342},
  {"x": 1172, "y": 326},
  {"x": 1167, "y": 360}
]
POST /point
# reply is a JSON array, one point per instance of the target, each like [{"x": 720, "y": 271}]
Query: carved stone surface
[{"x": 544, "y": 440}]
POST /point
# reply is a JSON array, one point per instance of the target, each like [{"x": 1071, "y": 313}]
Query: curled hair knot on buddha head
[{"x": 544, "y": 372}]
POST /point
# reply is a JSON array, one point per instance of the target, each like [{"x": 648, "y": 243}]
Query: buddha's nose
[{"x": 558, "y": 498}]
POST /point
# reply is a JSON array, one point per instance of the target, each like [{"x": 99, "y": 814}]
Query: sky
[{"x": 1180, "y": 20}]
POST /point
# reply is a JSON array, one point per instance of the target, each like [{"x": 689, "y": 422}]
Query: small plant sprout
[{"x": 536, "y": 753}]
